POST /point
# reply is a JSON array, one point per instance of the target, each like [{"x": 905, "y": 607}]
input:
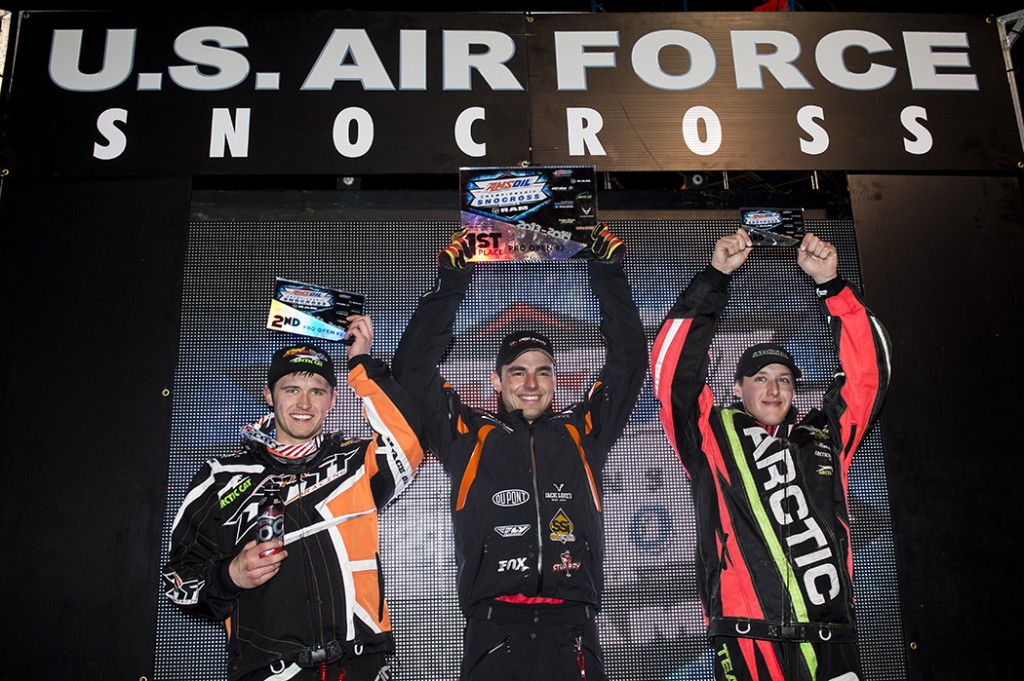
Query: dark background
[{"x": 93, "y": 283}]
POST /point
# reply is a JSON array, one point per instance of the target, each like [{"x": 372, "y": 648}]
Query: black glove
[
  {"x": 605, "y": 245},
  {"x": 453, "y": 256}
]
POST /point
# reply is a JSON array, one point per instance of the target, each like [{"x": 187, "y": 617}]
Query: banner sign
[
  {"x": 533, "y": 213},
  {"x": 98, "y": 93}
]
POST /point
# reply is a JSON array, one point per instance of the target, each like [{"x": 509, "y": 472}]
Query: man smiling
[
  {"x": 526, "y": 480},
  {"x": 313, "y": 610},
  {"x": 774, "y": 565}
]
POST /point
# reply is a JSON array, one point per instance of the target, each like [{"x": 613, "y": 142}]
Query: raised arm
[
  {"x": 396, "y": 450},
  {"x": 611, "y": 399},
  {"x": 679, "y": 358},
  {"x": 425, "y": 342},
  {"x": 856, "y": 396}
]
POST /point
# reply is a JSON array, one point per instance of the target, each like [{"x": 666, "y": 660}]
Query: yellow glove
[
  {"x": 454, "y": 255},
  {"x": 605, "y": 245}
]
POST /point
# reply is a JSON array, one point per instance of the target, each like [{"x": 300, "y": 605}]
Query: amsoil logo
[{"x": 510, "y": 497}]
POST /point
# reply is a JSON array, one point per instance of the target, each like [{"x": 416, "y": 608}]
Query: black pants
[
  {"x": 746, "y": 659},
  {"x": 505, "y": 642}
]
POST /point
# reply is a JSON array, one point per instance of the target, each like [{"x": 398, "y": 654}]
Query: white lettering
[
  {"x": 352, "y": 45},
  {"x": 805, "y": 118},
  {"x": 827, "y": 571},
  {"x": 464, "y": 132},
  {"x": 812, "y": 533},
  {"x": 117, "y": 141},
  {"x": 583, "y": 125},
  {"x": 460, "y": 61},
  {"x": 647, "y": 60},
  {"x": 911, "y": 118},
  {"x": 347, "y": 144},
  {"x": 777, "y": 475},
  {"x": 66, "y": 53},
  {"x": 235, "y": 134},
  {"x": 712, "y": 139},
  {"x": 831, "y": 50},
  {"x": 777, "y": 498},
  {"x": 923, "y": 61},
  {"x": 412, "y": 68},
  {"x": 749, "y": 62},
  {"x": 572, "y": 59},
  {"x": 210, "y": 46}
]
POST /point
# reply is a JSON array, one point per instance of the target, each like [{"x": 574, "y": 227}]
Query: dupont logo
[{"x": 510, "y": 497}]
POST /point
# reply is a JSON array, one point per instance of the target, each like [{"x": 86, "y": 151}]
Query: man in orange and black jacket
[{"x": 526, "y": 480}]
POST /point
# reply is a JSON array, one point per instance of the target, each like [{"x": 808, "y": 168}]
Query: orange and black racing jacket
[
  {"x": 774, "y": 559},
  {"x": 526, "y": 498},
  {"x": 328, "y": 594}
]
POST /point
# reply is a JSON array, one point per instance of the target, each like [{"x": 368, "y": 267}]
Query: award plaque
[
  {"x": 773, "y": 226},
  {"x": 310, "y": 310},
  {"x": 531, "y": 213}
]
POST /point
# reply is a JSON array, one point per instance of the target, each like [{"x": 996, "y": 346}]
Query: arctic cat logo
[
  {"x": 331, "y": 468},
  {"x": 513, "y": 565},
  {"x": 788, "y": 505},
  {"x": 234, "y": 493},
  {"x": 510, "y": 497}
]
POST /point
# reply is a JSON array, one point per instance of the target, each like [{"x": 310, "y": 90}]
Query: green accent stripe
[
  {"x": 761, "y": 515},
  {"x": 807, "y": 650}
]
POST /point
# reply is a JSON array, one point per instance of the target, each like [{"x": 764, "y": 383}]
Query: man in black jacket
[
  {"x": 526, "y": 480},
  {"x": 316, "y": 607}
]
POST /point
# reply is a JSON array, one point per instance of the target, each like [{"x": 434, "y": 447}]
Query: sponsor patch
[
  {"x": 568, "y": 565},
  {"x": 561, "y": 528},
  {"x": 510, "y": 497},
  {"x": 513, "y": 565},
  {"x": 558, "y": 494},
  {"x": 512, "y": 530}
]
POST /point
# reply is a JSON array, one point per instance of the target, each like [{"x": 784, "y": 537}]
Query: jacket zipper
[{"x": 536, "y": 505}]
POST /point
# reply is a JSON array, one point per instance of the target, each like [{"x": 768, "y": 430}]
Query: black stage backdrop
[
  {"x": 89, "y": 423},
  {"x": 652, "y": 626}
]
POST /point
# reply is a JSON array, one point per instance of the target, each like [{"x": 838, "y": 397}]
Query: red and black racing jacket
[
  {"x": 774, "y": 559},
  {"x": 525, "y": 498}
]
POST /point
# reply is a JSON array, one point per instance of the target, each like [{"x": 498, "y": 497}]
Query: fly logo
[
  {"x": 510, "y": 497},
  {"x": 788, "y": 504},
  {"x": 513, "y": 565},
  {"x": 511, "y": 530}
]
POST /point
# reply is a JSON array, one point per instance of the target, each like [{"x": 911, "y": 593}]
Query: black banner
[{"x": 351, "y": 93}]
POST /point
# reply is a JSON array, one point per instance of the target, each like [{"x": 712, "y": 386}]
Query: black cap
[
  {"x": 305, "y": 359},
  {"x": 519, "y": 342},
  {"x": 757, "y": 357}
]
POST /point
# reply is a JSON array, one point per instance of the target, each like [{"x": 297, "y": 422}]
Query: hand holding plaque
[
  {"x": 531, "y": 213},
  {"x": 311, "y": 310}
]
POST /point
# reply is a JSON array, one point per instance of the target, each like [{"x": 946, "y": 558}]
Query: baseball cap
[
  {"x": 306, "y": 359},
  {"x": 519, "y": 342},
  {"x": 757, "y": 357}
]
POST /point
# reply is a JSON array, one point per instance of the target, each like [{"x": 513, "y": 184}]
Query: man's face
[
  {"x": 527, "y": 383},
  {"x": 300, "y": 403},
  {"x": 768, "y": 394}
]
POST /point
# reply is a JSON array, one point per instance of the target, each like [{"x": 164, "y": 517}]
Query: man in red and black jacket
[
  {"x": 526, "y": 479},
  {"x": 774, "y": 565}
]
